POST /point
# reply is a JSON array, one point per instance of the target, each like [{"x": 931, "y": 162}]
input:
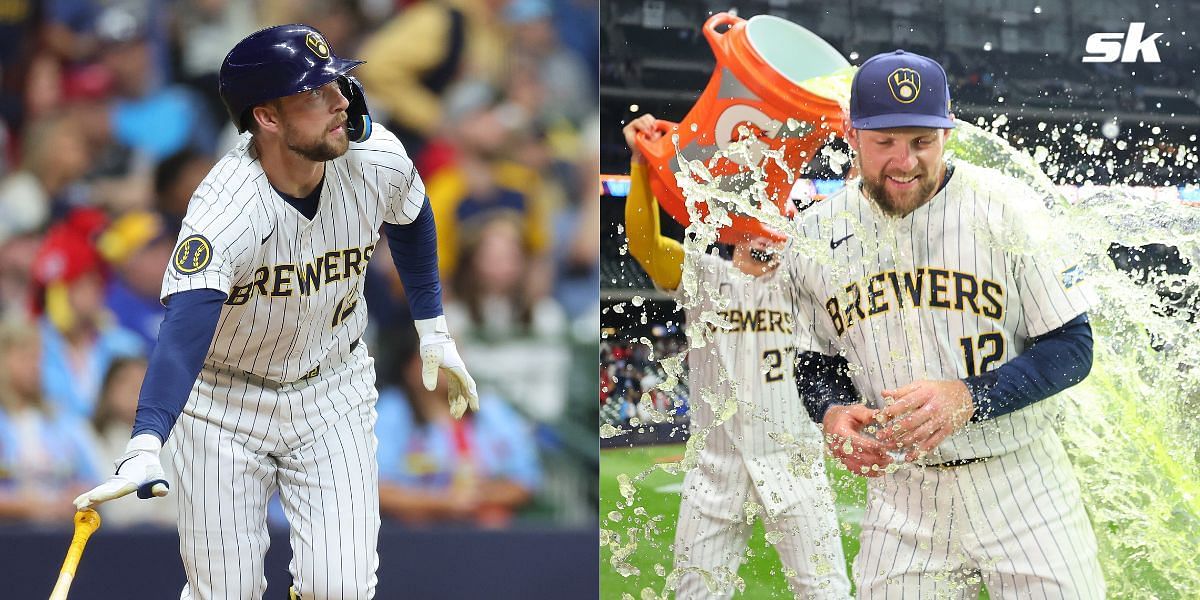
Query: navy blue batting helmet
[{"x": 284, "y": 60}]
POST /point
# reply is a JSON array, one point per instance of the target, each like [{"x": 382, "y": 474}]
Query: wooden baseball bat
[{"x": 87, "y": 521}]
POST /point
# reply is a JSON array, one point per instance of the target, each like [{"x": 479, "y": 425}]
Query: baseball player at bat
[
  {"x": 743, "y": 459},
  {"x": 959, "y": 333},
  {"x": 260, "y": 381}
]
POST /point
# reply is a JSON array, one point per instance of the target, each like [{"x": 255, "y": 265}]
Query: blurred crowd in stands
[
  {"x": 1033, "y": 79},
  {"x": 110, "y": 117},
  {"x": 1050, "y": 99},
  {"x": 635, "y": 388}
]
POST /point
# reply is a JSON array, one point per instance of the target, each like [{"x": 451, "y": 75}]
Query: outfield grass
[
  {"x": 658, "y": 494},
  {"x": 1129, "y": 574}
]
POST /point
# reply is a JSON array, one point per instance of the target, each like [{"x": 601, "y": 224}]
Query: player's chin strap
[{"x": 358, "y": 127}]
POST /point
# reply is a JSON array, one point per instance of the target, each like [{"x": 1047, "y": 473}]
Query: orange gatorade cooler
[{"x": 754, "y": 89}]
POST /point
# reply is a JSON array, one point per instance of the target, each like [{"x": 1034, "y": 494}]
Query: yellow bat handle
[{"x": 86, "y": 523}]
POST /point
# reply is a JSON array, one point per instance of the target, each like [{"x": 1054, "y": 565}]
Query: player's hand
[
  {"x": 439, "y": 352},
  {"x": 138, "y": 469},
  {"x": 923, "y": 414},
  {"x": 861, "y": 454},
  {"x": 645, "y": 126}
]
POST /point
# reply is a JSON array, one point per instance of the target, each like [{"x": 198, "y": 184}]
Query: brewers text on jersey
[{"x": 278, "y": 280}]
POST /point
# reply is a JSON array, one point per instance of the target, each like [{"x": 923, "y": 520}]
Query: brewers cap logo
[
  {"x": 905, "y": 85},
  {"x": 317, "y": 45},
  {"x": 192, "y": 255}
]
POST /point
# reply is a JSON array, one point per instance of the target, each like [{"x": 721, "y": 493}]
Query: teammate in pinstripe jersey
[
  {"x": 259, "y": 381},
  {"x": 937, "y": 284},
  {"x": 768, "y": 452}
]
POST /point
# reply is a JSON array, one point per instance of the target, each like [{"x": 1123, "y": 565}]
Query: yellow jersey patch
[{"x": 192, "y": 255}]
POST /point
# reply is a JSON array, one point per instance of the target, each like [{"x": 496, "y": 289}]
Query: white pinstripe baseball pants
[
  {"x": 240, "y": 440},
  {"x": 712, "y": 536},
  {"x": 1014, "y": 523}
]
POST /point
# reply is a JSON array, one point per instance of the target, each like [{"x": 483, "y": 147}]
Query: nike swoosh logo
[
  {"x": 833, "y": 244},
  {"x": 264, "y": 240}
]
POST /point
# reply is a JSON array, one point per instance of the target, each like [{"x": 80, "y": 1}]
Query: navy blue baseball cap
[{"x": 900, "y": 89}]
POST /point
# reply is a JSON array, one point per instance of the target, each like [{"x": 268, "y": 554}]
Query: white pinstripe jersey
[
  {"x": 955, "y": 288},
  {"x": 295, "y": 286},
  {"x": 750, "y": 359}
]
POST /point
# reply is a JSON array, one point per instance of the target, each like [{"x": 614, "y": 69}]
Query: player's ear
[
  {"x": 266, "y": 116},
  {"x": 851, "y": 136}
]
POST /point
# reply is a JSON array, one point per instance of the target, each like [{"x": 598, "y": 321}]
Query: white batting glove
[
  {"x": 438, "y": 351},
  {"x": 138, "y": 469}
]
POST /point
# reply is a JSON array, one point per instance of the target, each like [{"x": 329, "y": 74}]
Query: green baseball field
[
  {"x": 658, "y": 494},
  {"x": 641, "y": 575}
]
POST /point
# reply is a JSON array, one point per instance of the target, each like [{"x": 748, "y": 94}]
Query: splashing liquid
[{"x": 1132, "y": 428}]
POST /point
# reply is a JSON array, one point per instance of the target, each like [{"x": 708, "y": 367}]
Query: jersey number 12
[{"x": 990, "y": 347}]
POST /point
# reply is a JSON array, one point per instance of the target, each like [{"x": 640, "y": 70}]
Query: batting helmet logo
[
  {"x": 317, "y": 45},
  {"x": 276, "y": 62},
  {"x": 905, "y": 85}
]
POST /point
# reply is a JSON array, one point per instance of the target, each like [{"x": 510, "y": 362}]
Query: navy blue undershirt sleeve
[
  {"x": 183, "y": 341},
  {"x": 414, "y": 250},
  {"x": 822, "y": 382},
  {"x": 1052, "y": 362}
]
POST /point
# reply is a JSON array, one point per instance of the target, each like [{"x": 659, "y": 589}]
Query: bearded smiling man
[
  {"x": 901, "y": 167},
  {"x": 958, "y": 348}
]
